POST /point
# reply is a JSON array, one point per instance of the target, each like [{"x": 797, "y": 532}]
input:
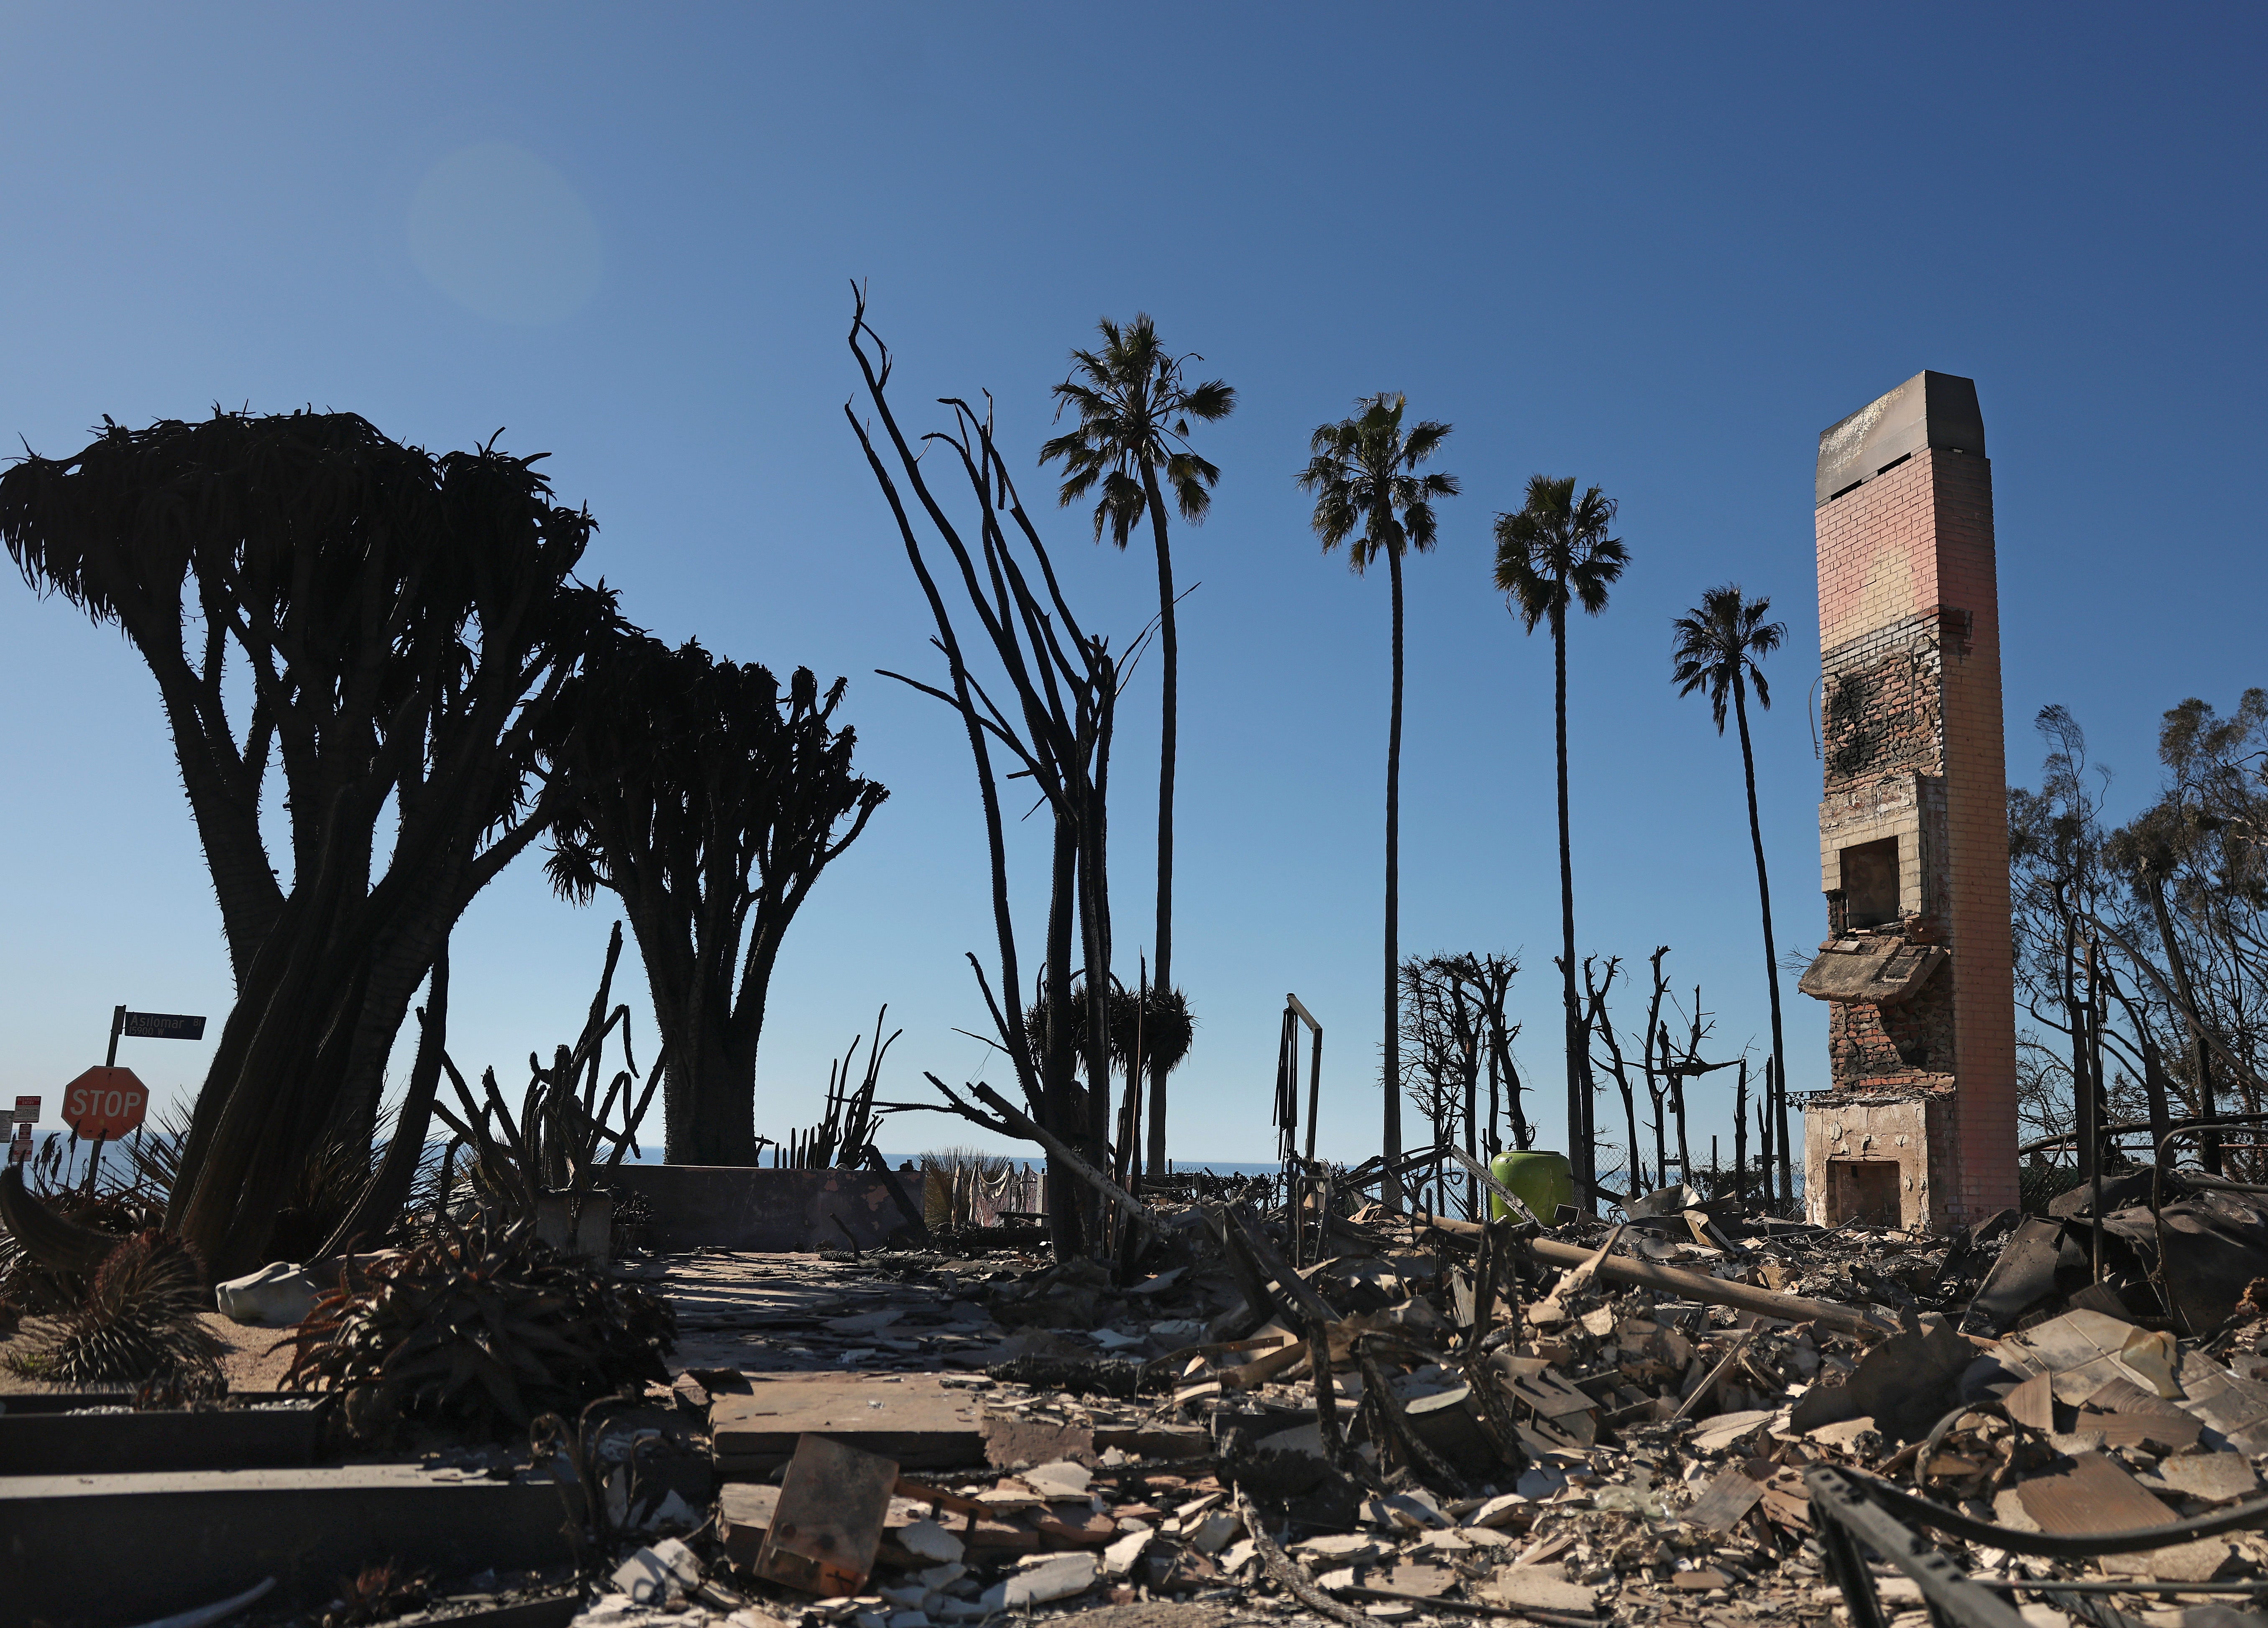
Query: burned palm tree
[
  {"x": 388, "y": 631},
  {"x": 1148, "y": 1031},
  {"x": 709, "y": 800}
]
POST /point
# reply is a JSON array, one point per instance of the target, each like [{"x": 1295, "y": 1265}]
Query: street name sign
[{"x": 163, "y": 1026}]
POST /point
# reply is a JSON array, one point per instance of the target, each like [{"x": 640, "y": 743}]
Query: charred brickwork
[
  {"x": 1906, "y": 1046},
  {"x": 1913, "y": 841},
  {"x": 1881, "y": 698}
]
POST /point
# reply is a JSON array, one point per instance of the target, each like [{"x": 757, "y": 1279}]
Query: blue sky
[{"x": 1655, "y": 248}]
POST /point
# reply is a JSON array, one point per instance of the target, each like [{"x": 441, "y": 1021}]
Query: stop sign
[{"x": 104, "y": 1103}]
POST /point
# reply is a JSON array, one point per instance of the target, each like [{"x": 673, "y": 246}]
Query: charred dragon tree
[
  {"x": 709, "y": 801},
  {"x": 387, "y": 629},
  {"x": 1055, "y": 728}
]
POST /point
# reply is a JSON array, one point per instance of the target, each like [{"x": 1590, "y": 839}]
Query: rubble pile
[
  {"x": 1432, "y": 1421},
  {"x": 1329, "y": 1412}
]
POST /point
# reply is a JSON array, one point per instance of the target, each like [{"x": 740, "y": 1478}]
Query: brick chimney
[{"x": 1918, "y": 1127}]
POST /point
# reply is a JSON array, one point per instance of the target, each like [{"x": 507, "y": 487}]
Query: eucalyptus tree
[
  {"x": 709, "y": 800},
  {"x": 1370, "y": 494},
  {"x": 1133, "y": 407},
  {"x": 2197, "y": 868},
  {"x": 2141, "y": 953},
  {"x": 1720, "y": 646},
  {"x": 1553, "y": 554},
  {"x": 390, "y": 631}
]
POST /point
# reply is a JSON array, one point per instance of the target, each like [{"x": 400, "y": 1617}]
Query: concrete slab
[
  {"x": 173, "y": 1541},
  {"x": 912, "y": 1418},
  {"x": 57, "y": 1443}
]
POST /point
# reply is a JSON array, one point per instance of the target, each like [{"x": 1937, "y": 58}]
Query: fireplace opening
[
  {"x": 1865, "y": 1191},
  {"x": 1870, "y": 883}
]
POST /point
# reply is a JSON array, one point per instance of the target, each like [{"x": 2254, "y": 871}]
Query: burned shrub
[
  {"x": 39, "y": 1290},
  {"x": 483, "y": 1326},
  {"x": 378, "y": 1593}
]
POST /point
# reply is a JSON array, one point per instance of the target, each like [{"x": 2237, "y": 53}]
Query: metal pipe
[{"x": 1693, "y": 1285}]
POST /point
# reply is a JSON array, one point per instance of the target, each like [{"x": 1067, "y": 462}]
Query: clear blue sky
[{"x": 1657, "y": 248}]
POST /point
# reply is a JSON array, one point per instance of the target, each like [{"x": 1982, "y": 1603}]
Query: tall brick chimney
[{"x": 1918, "y": 1127}]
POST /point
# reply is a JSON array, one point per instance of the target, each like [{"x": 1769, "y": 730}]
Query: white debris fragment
[
  {"x": 1119, "y": 1558},
  {"x": 277, "y": 1296},
  {"x": 927, "y": 1540},
  {"x": 654, "y": 1576},
  {"x": 1057, "y": 1577}
]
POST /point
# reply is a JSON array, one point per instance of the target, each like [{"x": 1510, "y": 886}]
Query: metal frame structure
[{"x": 1287, "y": 1078}]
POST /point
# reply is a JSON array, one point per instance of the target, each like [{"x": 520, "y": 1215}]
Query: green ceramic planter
[{"x": 1543, "y": 1182}]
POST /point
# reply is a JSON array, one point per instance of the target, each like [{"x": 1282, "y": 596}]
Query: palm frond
[
  {"x": 1555, "y": 554},
  {"x": 1132, "y": 410},
  {"x": 1359, "y": 471}
]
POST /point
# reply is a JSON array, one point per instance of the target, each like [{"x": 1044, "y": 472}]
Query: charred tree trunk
[{"x": 1063, "y": 686}]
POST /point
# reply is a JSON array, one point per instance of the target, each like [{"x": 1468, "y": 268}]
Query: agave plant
[
  {"x": 142, "y": 1320},
  {"x": 483, "y": 1325}
]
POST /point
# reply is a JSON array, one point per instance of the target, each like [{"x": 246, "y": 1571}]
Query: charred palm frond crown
[{"x": 1157, "y": 1023}]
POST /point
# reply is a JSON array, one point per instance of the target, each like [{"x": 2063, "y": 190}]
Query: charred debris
[
  {"x": 1323, "y": 1411},
  {"x": 1332, "y": 1411}
]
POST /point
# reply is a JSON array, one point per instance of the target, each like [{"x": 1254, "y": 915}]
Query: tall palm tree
[
  {"x": 1364, "y": 473},
  {"x": 1134, "y": 409},
  {"x": 1719, "y": 643},
  {"x": 1556, "y": 552}
]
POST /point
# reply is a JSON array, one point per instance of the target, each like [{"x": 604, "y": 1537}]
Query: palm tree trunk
[
  {"x": 1168, "y": 734},
  {"x": 1390, "y": 1188},
  {"x": 1741, "y": 1137},
  {"x": 1578, "y": 1100},
  {"x": 1776, "y": 1081}
]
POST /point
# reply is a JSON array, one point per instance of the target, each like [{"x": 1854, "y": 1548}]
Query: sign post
[
  {"x": 26, "y": 1115},
  {"x": 107, "y": 1102}
]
